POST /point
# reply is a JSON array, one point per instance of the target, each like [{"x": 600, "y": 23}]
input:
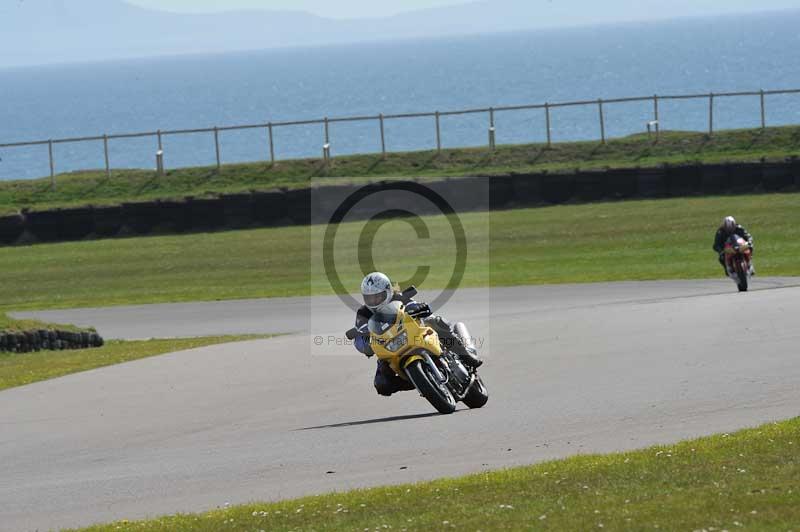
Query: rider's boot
[
  {"x": 387, "y": 383},
  {"x": 724, "y": 265}
]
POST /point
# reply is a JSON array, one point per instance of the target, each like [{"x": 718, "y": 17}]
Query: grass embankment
[
  {"x": 749, "y": 480},
  {"x": 92, "y": 187},
  {"x": 11, "y": 325},
  {"x": 27, "y": 368},
  {"x": 632, "y": 240}
]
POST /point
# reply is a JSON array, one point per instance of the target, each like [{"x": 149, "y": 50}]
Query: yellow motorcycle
[{"x": 415, "y": 353}]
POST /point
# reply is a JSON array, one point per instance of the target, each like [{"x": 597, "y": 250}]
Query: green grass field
[
  {"x": 749, "y": 480},
  {"x": 27, "y": 368},
  {"x": 658, "y": 239},
  {"x": 93, "y": 187}
]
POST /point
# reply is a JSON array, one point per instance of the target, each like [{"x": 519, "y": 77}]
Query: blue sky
[
  {"x": 328, "y": 8},
  {"x": 377, "y": 8}
]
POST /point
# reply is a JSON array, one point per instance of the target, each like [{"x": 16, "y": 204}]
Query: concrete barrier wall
[{"x": 293, "y": 207}]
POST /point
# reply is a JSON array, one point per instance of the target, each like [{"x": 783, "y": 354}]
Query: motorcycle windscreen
[{"x": 384, "y": 318}]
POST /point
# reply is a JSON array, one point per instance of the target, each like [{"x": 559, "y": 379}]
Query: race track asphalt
[{"x": 571, "y": 369}]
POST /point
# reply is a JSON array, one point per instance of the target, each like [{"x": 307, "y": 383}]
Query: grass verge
[
  {"x": 11, "y": 325},
  {"x": 93, "y": 187},
  {"x": 748, "y": 480},
  {"x": 631, "y": 240},
  {"x": 23, "y": 369}
]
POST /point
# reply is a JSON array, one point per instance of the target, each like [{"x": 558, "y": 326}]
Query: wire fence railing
[{"x": 652, "y": 126}]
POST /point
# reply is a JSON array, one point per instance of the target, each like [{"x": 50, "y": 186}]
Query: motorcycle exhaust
[{"x": 463, "y": 333}]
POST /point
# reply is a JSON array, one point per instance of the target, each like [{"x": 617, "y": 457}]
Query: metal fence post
[
  {"x": 547, "y": 119},
  {"x": 711, "y": 114},
  {"x": 763, "y": 111},
  {"x": 52, "y": 164},
  {"x": 383, "y": 137},
  {"x": 438, "y": 134},
  {"x": 655, "y": 116},
  {"x": 492, "y": 139},
  {"x": 160, "y": 145},
  {"x": 105, "y": 150},
  {"x": 216, "y": 146},
  {"x": 602, "y": 121},
  {"x": 326, "y": 148},
  {"x": 271, "y": 145}
]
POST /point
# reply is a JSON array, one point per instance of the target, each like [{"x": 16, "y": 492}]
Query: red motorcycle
[{"x": 739, "y": 261}]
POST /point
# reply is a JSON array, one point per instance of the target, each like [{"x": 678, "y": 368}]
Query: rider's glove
[
  {"x": 362, "y": 344},
  {"x": 418, "y": 310}
]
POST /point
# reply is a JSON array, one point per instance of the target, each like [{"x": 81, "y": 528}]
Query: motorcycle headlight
[{"x": 398, "y": 342}]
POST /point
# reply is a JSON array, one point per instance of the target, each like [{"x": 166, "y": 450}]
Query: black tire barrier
[
  {"x": 776, "y": 177},
  {"x": 794, "y": 169},
  {"x": 325, "y": 201},
  {"x": 141, "y": 218},
  {"x": 270, "y": 208},
  {"x": 469, "y": 193},
  {"x": 557, "y": 188},
  {"x": 501, "y": 192},
  {"x": 238, "y": 210},
  {"x": 744, "y": 177},
  {"x": 652, "y": 183},
  {"x": 206, "y": 214},
  {"x": 48, "y": 340},
  {"x": 11, "y": 228},
  {"x": 590, "y": 186},
  {"x": 294, "y": 207},
  {"x": 527, "y": 189},
  {"x": 107, "y": 221},
  {"x": 173, "y": 217},
  {"x": 44, "y": 225},
  {"x": 683, "y": 180},
  {"x": 298, "y": 204},
  {"x": 76, "y": 224},
  {"x": 621, "y": 183},
  {"x": 714, "y": 178}
]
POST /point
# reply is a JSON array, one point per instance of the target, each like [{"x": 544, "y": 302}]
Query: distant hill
[{"x": 52, "y": 31}]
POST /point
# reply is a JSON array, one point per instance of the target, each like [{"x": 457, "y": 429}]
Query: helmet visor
[{"x": 374, "y": 300}]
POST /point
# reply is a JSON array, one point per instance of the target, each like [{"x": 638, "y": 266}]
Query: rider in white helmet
[
  {"x": 377, "y": 290},
  {"x": 728, "y": 228}
]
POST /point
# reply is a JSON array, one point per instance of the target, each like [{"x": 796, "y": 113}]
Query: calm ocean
[{"x": 700, "y": 55}]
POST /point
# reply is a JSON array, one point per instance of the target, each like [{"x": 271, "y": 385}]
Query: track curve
[{"x": 571, "y": 369}]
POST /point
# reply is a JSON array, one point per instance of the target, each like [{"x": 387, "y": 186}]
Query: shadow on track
[{"x": 373, "y": 421}]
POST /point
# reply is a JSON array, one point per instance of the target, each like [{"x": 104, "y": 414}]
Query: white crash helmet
[
  {"x": 376, "y": 289},
  {"x": 729, "y": 224}
]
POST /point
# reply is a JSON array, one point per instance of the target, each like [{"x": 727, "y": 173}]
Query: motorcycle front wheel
[
  {"x": 743, "y": 278},
  {"x": 437, "y": 394}
]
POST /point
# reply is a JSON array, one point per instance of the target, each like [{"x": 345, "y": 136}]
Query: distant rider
[
  {"x": 378, "y": 291},
  {"x": 729, "y": 228}
]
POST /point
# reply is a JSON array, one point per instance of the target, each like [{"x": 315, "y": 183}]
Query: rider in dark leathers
[
  {"x": 377, "y": 290},
  {"x": 729, "y": 228}
]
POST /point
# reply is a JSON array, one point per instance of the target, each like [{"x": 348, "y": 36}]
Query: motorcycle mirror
[{"x": 351, "y": 334}]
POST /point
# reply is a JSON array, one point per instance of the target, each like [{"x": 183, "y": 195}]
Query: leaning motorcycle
[
  {"x": 398, "y": 334},
  {"x": 739, "y": 261}
]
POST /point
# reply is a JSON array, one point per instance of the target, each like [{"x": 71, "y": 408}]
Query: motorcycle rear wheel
[
  {"x": 478, "y": 395},
  {"x": 437, "y": 394}
]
